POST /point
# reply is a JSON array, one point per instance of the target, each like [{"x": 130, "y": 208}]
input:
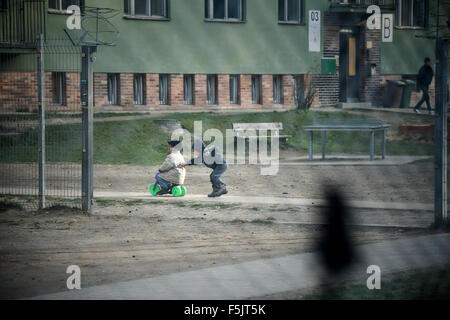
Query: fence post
[
  {"x": 440, "y": 200},
  {"x": 86, "y": 87},
  {"x": 41, "y": 110}
]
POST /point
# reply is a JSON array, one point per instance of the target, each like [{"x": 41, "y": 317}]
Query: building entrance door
[{"x": 349, "y": 75}]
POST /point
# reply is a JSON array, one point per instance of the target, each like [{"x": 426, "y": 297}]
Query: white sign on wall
[
  {"x": 314, "y": 30},
  {"x": 387, "y": 28}
]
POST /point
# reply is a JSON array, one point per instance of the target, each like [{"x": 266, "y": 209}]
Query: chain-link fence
[{"x": 20, "y": 125}]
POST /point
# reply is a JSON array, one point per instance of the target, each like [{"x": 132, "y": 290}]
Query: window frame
[
  {"x": 143, "y": 89},
  {"x": 215, "y": 99},
  {"x": 236, "y": 87},
  {"x": 164, "y": 100},
  {"x": 60, "y": 10},
  {"x": 116, "y": 77},
  {"x": 277, "y": 96},
  {"x": 189, "y": 96},
  {"x": 210, "y": 14},
  {"x": 414, "y": 24},
  {"x": 257, "y": 100},
  {"x": 132, "y": 15},
  {"x": 59, "y": 89},
  {"x": 301, "y": 18}
]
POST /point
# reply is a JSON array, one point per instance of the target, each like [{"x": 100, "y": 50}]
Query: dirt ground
[
  {"x": 412, "y": 182},
  {"x": 123, "y": 240},
  {"x": 131, "y": 239}
]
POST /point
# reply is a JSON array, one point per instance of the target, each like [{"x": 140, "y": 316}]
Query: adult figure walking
[{"x": 424, "y": 79}]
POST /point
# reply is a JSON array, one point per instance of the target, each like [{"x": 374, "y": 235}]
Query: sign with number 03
[{"x": 314, "y": 30}]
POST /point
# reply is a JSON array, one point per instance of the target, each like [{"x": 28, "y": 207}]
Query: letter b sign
[{"x": 377, "y": 21}]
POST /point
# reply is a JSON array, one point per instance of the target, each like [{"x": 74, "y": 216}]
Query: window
[
  {"x": 227, "y": 10},
  {"x": 164, "y": 82},
  {"x": 256, "y": 89},
  {"x": 147, "y": 8},
  {"x": 211, "y": 89},
  {"x": 3, "y": 5},
  {"x": 298, "y": 88},
  {"x": 290, "y": 11},
  {"x": 113, "y": 88},
  {"x": 139, "y": 89},
  {"x": 62, "y": 5},
  {"x": 59, "y": 88},
  {"x": 277, "y": 89},
  {"x": 235, "y": 88},
  {"x": 188, "y": 84},
  {"x": 412, "y": 13}
]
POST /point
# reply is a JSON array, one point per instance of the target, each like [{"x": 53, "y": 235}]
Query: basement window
[
  {"x": 164, "y": 82},
  {"x": 211, "y": 89},
  {"x": 139, "y": 89},
  {"x": 235, "y": 87},
  {"x": 277, "y": 89},
  {"x": 113, "y": 88},
  {"x": 59, "y": 88},
  {"x": 256, "y": 89},
  {"x": 188, "y": 86}
]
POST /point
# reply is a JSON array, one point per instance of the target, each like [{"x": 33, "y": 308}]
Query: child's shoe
[
  {"x": 212, "y": 194},
  {"x": 218, "y": 192}
]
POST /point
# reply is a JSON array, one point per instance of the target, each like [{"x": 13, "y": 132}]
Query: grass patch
[
  {"x": 142, "y": 141},
  {"x": 430, "y": 284}
]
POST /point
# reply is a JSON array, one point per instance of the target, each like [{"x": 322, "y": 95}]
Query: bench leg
[
  {"x": 383, "y": 145},
  {"x": 310, "y": 145},
  {"x": 324, "y": 143},
  {"x": 372, "y": 145}
]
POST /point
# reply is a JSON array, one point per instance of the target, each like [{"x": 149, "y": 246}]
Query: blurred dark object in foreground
[{"x": 336, "y": 246}]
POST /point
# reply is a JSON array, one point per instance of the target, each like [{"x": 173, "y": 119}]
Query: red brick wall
[
  {"x": 18, "y": 91},
  {"x": 176, "y": 97},
  {"x": 246, "y": 90},
  {"x": 288, "y": 90},
  {"x": 267, "y": 90},
  {"x": 126, "y": 90},
  {"x": 200, "y": 90},
  {"x": 100, "y": 89},
  {"x": 223, "y": 81},
  {"x": 327, "y": 86}
]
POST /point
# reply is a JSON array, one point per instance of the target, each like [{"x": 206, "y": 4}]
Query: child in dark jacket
[{"x": 212, "y": 158}]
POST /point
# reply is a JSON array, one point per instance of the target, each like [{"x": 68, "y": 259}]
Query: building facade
[{"x": 222, "y": 54}]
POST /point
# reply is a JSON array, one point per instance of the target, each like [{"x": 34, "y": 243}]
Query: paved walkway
[{"x": 270, "y": 276}]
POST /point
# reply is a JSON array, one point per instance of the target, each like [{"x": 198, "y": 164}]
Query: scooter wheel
[
  {"x": 177, "y": 191},
  {"x": 154, "y": 189},
  {"x": 183, "y": 191}
]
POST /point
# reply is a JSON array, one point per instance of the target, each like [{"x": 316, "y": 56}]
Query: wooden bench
[
  {"x": 243, "y": 130},
  {"x": 368, "y": 125}
]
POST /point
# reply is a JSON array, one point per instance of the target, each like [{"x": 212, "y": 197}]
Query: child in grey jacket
[{"x": 172, "y": 171}]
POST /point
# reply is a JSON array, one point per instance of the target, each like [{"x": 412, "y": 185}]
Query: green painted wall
[
  {"x": 188, "y": 44},
  {"x": 406, "y": 53}
]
